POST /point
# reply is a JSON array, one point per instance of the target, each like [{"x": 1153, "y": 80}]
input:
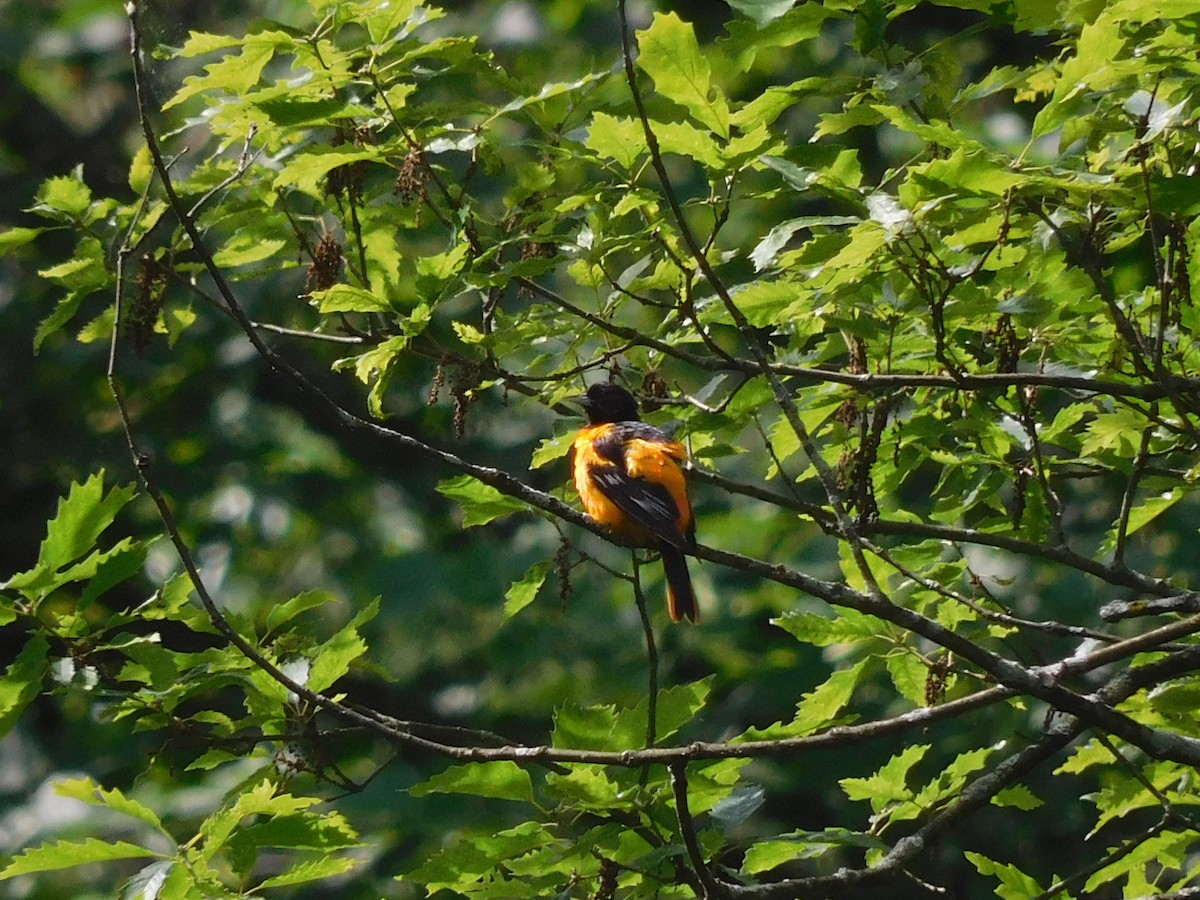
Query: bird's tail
[{"x": 681, "y": 599}]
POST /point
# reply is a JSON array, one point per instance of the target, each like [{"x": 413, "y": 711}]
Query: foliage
[{"x": 923, "y": 314}]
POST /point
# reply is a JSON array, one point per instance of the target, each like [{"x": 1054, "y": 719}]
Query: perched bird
[{"x": 629, "y": 478}]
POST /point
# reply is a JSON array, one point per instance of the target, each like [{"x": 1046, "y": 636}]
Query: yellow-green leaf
[
  {"x": 502, "y": 780},
  {"x": 670, "y": 54}
]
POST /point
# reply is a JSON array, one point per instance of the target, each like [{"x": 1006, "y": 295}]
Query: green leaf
[
  {"x": 521, "y": 593},
  {"x": 443, "y": 266},
  {"x": 1142, "y": 515},
  {"x": 747, "y": 39},
  {"x": 375, "y": 368},
  {"x": 888, "y": 784},
  {"x": 82, "y": 516},
  {"x": 972, "y": 172},
  {"x": 503, "y": 780},
  {"x": 88, "y": 791},
  {"x": 141, "y": 170},
  {"x": 84, "y": 274},
  {"x": 767, "y": 250},
  {"x": 343, "y": 298},
  {"x": 300, "y": 829},
  {"x": 310, "y": 870},
  {"x": 847, "y": 627},
  {"x": 762, "y": 302},
  {"x": 333, "y": 658},
  {"x": 593, "y": 728},
  {"x": 1017, "y": 796},
  {"x": 763, "y": 12},
  {"x": 619, "y": 139},
  {"x": 766, "y": 855},
  {"x": 22, "y": 681},
  {"x": 670, "y": 54},
  {"x": 248, "y": 247},
  {"x": 686, "y": 140},
  {"x": 64, "y": 194},
  {"x": 909, "y": 674},
  {"x": 201, "y": 42},
  {"x": 1152, "y": 855},
  {"x": 551, "y": 449},
  {"x": 235, "y": 74},
  {"x": 1014, "y": 884},
  {"x": 11, "y": 238},
  {"x": 123, "y": 562},
  {"x": 283, "y": 613},
  {"x": 481, "y": 503},
  {"x": 65, "y": 854},
  {"x": 306, "y": 171},
  {"x": 585, "y": 788},
  {"x": 466, "y": 865},
  {"x": 820, "y": 707},
  {"x": 678, "y": 705},
  {"x": 712, "y": 783},
  {"x": 260, "y": 799}
]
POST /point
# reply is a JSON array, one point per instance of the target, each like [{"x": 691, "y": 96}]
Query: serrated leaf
[
  {"x": 260, "y": 799},
  {"x": 1017, "y": 796},
  {"x": 65, "y": 194},
  {"x": 847, "y": 626},
  {"x": 821, "y": 706},
  {"x": 619, "y": 139},
  {"x": 766, "y": 855},
  {"x": 502, "y": 780},
  {"x": 440, "y": 267},
  {"x": 1014, "y": 884},
  {"x": 670, "y": 54},
  {"x": 247, "y": 248},
  {"x": 202, "y": 42},
  {"x": 375, "y": 368},
  {"x": 22, "y": 681},
  {"x": 333, "y": 658},
  {"x": 767, "y": 250},
  {"x": 283, "y": 613},
  {"x": 521, "y": 593},
  {"x": 888, "y": 784},
  {"x": 65, "y": 854},
  {"x": 12, "y": 238},
  {"x": 306, "y": 171},
  {"x": 1141, "y": 515},
  {"x": 481, "y": 503},
  {"x": 80, "y": 519},
  {"x": 909, "y": 676},
  {"x": 342, "y": 298},
  {"x": 586, "y": 728},
  {"x": 310, "y": 870},
  {"x": 762, "y": 302},
  {"x": 678, "y": 705},
  {"x": 88, "y": 791},
  {"x": 739, "y": 806},
  {"x": 551, "y": 449},
  {"x": 236, "y": 73},
  {"x": 763, "y": 12}
]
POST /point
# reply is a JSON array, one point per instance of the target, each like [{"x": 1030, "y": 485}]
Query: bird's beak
[{"x": 575, "y": 405}]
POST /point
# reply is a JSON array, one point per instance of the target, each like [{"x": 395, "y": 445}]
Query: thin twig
[
  {"x": 711, "y": 888},
  {"x": 639, "y": 597}
]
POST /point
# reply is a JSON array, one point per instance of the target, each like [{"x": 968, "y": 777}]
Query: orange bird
[{"x": 628, "y": 476}]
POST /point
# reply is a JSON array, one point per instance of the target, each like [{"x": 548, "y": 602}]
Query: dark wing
[{"x": 648, "y": 504}]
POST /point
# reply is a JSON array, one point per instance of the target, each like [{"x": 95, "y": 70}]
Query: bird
[{"x": 629, "y": 477}]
